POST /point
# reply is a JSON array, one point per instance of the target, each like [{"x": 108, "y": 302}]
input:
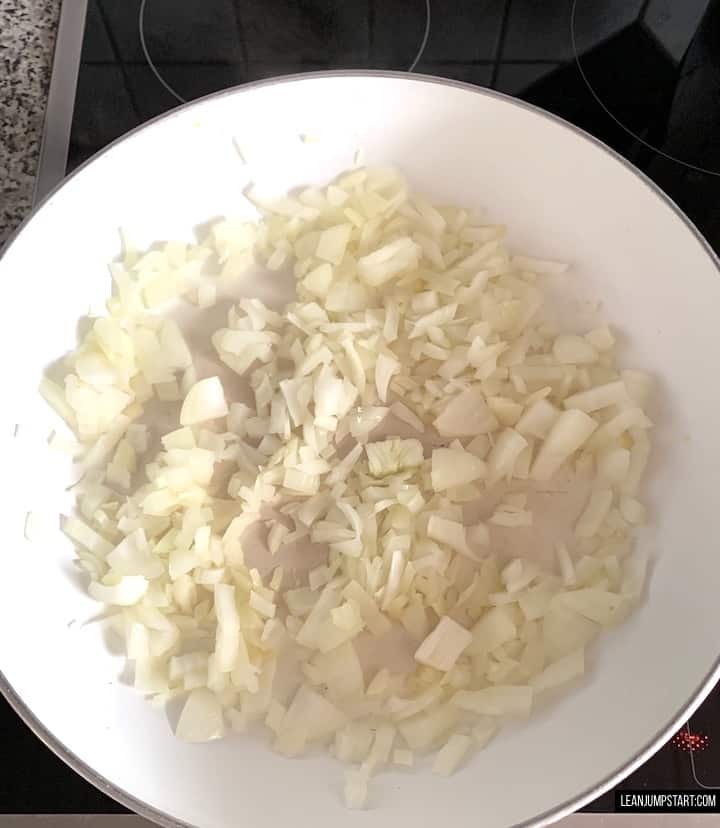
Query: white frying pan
[{"x": 563, "y": 195}]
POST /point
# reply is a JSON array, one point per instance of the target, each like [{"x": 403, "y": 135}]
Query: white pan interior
[{"x": 562, "y": 195}]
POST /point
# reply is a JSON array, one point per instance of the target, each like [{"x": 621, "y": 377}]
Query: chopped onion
[
  {"x": 561, "y": 671},
  {"x": 567, "y": 569},
  {"x": 204, "y": 401},
  {"x": 494, "y": 628},
  {"x": 391, "y": 456},
  {"x": 442, "y": 648},
  {"x": 538, "y": 419},
  {"x": 466, "y": 415},
  {"x": 501, "y": 700},
  {"x": 612, "y": 393},
  {"x": 574, "y": 350},
  {"x": 403, "y": 758},
  {"x": 356, "y": 788},
  {"x": 324, "y": 547},
  {"x": 571, "y": 429},
  {"x": 126, "y": 592},
  {"x": 422, "y": 731},
  {"x": 632, "y": 510},
  {"x": 385, "y": 368},
  {"x": 451, "y": 754},
  {"x": 449, "y": 532},
  {"x": 453, "y": 467},
  {"x": 201, "y": 719},
  {"x": 595, "y": 513},
  {"x": 597, "y": 605}
]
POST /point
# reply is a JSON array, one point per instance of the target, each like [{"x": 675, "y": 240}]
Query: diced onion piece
[
  {"x": 560, "y": 672},
  {"x": 504, "y": 454},
  {"x": 138, "y": 642},
  {"x": 201, "y": 719},
  {"x": 597, "y": 605},
  {"x": 454, "y": 467},
  {"x": 594, "y": 514},
  {"x": 275, "y": 716},
  {"x": 404, "y": 758},
  {"x": 204, "y": 401},
  {"x": 449, "y": 532},
  {"x": 206, "y": 295},
  {"x": 484, "y": 730},
  {"x": 567, "y": 569},
  {"x": 601, "y": 396},
  {"x": 402, "y": 412},
  {"x": 450, "y": 756},
  {"x": 59, "y": 443},
  {"x": 634, "y": 573},
  {"x": 639, "y": 456},
  {"x": 352, "y": 742},
  {"x": 538, "y": 419},
  {"x": 344, "y": 467},
  {"x": 128, "y": 591},
  {"x": 501, "y": 700},
  {"x": 518, "y": 574},
  {"x": 339, "y": 670},
  {"x": 392, "y": 585},
  {"x": 574, "y": 350},
  {"x": 150, "y": 675},
  {"x": 132, "y": 556},
  {"x": 466, "y": 416},
  {"x": 81, "y": 533},
  {"x": 534, "y": 602},
  {"x": 356, "y": 788},
  {"x": 228, "y": 644},
  {"x": 442, "y": 648},
  {"x": 426, "y": 729},
  {"x": 346, "y": 297},
  {"x": 319, "y": 279},
  {"x": 383, "y": 264},
  {"x": 377, "y": 623},
  {"x": 54, "y": 395},
  {"x": 569, "y": 432},
  {"x": 601, "y": 338},
  {"x": 314, "y": 714},
  {"x": 639, "y": 385},
  {"x": 391, "y": 456},
  {"x": 494, "y": 627},
  {"x": 174, "y": 347},
  {"x": 632, "y": 510},
  {"x": 629, "y": 418},
  {"x": 182, "y": 438},
  {"x": 382, "y": 746},
  {"x": 333, "y": 242},
  {"x": 565, "y": 630},
  {"x": 613, "y": 465},
  {"x": 479, "y": 446},
  {"x": 385, "y": 368}
]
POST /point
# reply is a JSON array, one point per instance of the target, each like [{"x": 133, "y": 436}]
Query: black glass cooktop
[{"x": 642, "y": 75}]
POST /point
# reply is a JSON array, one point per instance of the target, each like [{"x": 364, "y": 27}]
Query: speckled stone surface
[{"x": 27, "y": 38}]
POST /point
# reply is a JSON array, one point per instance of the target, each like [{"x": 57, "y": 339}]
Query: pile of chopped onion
[{"x": 301, "y": 549}]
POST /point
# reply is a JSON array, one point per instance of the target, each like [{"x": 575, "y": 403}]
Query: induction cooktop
[{"x": 641, "y": 75}]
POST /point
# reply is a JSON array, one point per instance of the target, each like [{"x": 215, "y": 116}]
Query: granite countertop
[{"x": 27, "y": 38}]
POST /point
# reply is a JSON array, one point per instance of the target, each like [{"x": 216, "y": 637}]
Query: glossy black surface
[{"x": 651, "y": 67}]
